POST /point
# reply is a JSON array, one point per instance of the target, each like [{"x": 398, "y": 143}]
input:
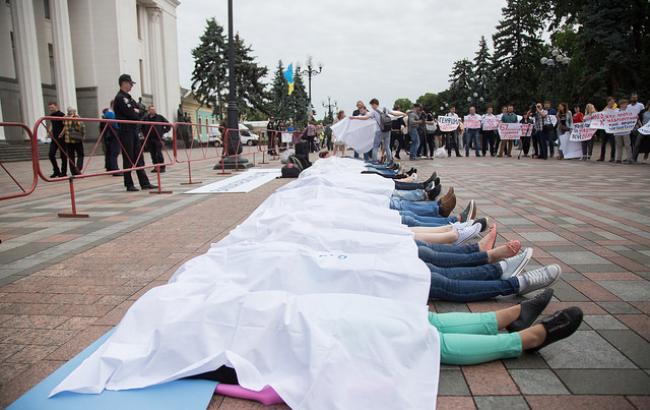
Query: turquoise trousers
[{"x": 473, "y": 338}]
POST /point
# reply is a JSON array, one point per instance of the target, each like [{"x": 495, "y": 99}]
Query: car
[
  {"x": 214, "y": 136},
  {"x": 247, "y": 137}
]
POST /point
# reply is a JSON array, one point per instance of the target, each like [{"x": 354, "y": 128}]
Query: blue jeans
[
  {"x": 414, "y": 195},
  {"x": 382, "y": 137},
  {"x": 411, "y": 219},
  {"x": 452, "y": 260},
  {"x": 425, "y": 208},
  {"x": 472, "y": 136},
  {"x": 455, "y": 286},
  {"x": 415, "y": 142},
  {"x": 441, "y": 247}
]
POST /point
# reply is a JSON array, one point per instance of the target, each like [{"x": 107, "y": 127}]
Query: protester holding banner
[
  {"x": 396, "y": 134},
  {"x": 508, "y": 118},
  {"x": 642, "y": 144},
  {"x": 526, "y": 132},
  {"x": 544, "y": 128},
  {"x": 429, "y": 132},
  {"x": 413, "y": 124},
  {"x": 472, "y": 123},
  {"x": 449, "y": 126},
  {"x": 489, "y": 125},
  {"x": 622, "y": 138},
  {"x": 588, "y": 145},
  {"x": 608, "y": 138},
  {"x": 338, "y": 144},
  {"x": 563, "y": 131}
]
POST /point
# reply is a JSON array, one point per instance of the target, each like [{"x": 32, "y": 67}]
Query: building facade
[{"x": 73, "y": 51}]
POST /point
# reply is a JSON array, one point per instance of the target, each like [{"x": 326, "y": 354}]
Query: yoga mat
[{"x": 179, "y": 394}]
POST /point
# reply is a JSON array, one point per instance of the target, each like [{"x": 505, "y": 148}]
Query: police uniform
[{"x": 125, "y": 109}]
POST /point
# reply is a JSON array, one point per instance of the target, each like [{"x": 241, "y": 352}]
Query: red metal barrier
[
  {"x": 80, "y": 168},
  {"x": 33, "y": 146},
  {"x": 185, "y": 131}
]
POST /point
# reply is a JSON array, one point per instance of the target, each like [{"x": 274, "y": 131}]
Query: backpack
[
  {"x": 295, "y": 161},
  {"x": 385, "y": 122},
  {"x": 290, "y": 171}
]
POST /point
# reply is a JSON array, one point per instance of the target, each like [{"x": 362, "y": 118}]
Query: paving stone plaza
[{"x": 65, "y": 282}]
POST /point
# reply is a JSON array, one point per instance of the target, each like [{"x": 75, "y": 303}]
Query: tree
[
  {"x": 460, "y": 84},
  {"x": 403, "y": 104},
  {"x": 429, "y": 101},
  {"x": 209, "y": 77},
  {"x": 518, "y": 49},
  {"x": 299, "y": 100},
  {"x": 483, "y": 79},
  {"x": 279, "y": 106},
  {"x": 251, "y": 92}
]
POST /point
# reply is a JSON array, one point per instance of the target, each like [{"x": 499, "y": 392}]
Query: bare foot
[
  {"x": 489, "y": 240},
  {"x": 508, "y": 250}
]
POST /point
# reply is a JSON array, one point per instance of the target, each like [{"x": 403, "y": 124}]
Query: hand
[{"x": 136, "y": 110}]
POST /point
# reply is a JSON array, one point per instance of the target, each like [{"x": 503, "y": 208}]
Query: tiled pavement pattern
[{"x": 593, "y": 219}]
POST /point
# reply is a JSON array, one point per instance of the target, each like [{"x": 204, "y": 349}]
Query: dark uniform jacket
[{"x": 125, "y": 109}]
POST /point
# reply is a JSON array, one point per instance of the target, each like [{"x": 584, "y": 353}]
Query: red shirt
[{"x": 578, "y": 117}]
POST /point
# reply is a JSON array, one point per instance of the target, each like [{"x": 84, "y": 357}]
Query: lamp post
[
  {"x": 232, "y": 145},
  {"x": 474, "y": 99},
  {"x": 311, "y": 71},
  {"x": 329, "y": 105},
  {"x": 557, "y": 59}
]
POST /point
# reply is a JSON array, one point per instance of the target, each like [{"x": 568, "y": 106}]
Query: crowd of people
[{"x": 419, "y": 135}]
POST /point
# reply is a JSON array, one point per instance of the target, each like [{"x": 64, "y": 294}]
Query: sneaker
[
  {"x": 467, "y": 212},
  {"x": 467, "y": 233},
  {"x": 530, "y": 310},
  {"x": 482, "y": 221},
  {"x": 560, "y": 325},
  {"x": 515, "y": 264},
  {"x": 539, "y": 278}
]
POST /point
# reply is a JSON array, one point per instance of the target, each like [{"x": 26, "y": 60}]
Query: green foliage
[
  {"x": 403, "y": 104},
  {"x": 460, "y": 84},
  {"x": 299, "y": 100},
  {"x": 430, "y": 101},
  {"x": 482, "y": 81},
  {"x": 279, "y": 106}
]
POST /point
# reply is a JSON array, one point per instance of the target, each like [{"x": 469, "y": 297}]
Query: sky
[{"x": 371, "y": 49}]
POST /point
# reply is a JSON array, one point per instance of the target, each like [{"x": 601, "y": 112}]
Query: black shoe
[
  {"x": 560, "y": 325},
  {"x": 411, "y": 171},
  {"x": 433, "y": 193},
  {"x": 467, "y": 212},
  {"x": 149, "y": 186},
  {"x": 131, "y": 189},
  {"x": 163, "y": 170},
  {"x": 530, "y": 310},
  {"x": 154, "y": 170},
  {"x": 611, "y": 160},
  {"x": 118, "y": 175},
  {"x": 436, "y": 181},
  {"x": 431, "y": 178},
  {"x": 55, "y": 175},
  {"x": 618, "y": 161},
  {"x": 483, "y": 221}
]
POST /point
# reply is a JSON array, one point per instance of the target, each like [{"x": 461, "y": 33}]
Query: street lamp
[
  {"x": 232, "y": 143},
  {"x": 312, "y": 71},
  {"x": 329, "y": 105},
  {"x": 556, "y": 59}
]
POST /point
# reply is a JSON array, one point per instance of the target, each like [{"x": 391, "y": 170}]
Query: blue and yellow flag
[{"x": 288, "y": 75}]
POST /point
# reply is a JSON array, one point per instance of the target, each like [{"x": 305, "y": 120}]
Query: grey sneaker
[
  {"x": 467, "y": 233},
  {"x": 539, "y": 278},
  {"x": 515, "y": 264}
]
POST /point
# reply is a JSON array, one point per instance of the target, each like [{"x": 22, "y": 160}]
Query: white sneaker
[
  {"x": 462, "y": 225},
  {"x": 467, "y": 233},
  {"x": 539, "y": 278},
  {"x": 515, "y": 264}
]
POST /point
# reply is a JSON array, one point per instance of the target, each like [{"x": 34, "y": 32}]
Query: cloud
[{"x": 376, "y": 49}]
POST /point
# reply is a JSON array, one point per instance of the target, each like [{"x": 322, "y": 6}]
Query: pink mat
[{"x": 267, "y": 396}]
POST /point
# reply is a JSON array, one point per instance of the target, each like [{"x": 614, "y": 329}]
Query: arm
[{"x": 360, "y": 117}]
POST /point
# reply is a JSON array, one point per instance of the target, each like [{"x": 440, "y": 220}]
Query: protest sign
[
  {"x": 595, "y": 120},
  {"x": 490, "y": 123},
  {"x": 645, "y": 130},
  {"x": 509, "y": 131},
  {"x": 472, "y": 121},
  {"x": 448, "y": 123},
  {"x": 621, "y": 122},
  {"x": 526, "y": 130},
  {"x": 553, "y": 119},
  {"x": 581, "y": 132},
  {"x": 287, "y": 137}
]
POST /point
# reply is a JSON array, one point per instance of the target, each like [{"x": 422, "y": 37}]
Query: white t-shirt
[{"x": 635, "y": 108}]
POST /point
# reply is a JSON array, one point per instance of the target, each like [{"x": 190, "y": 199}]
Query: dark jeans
[
  {"x": 472, "y": 138},
  {"x": 488, "y": 138},
  {"x": 469, "y": 284},
  {"x": 155, "y": 149},
  {"x": 409, "y": 186},
  {"x": 587, "y": 147},
  {"x": 113, "y": 150},
  {"x": 412, "y": 219},
  {"x": 545, "y": 144},
  {"x": 430, "y": 143},
  {"x": 451, "y": 142},
  {"x": 396, "y": 136},
  {"x": 58, "y": 145},
  {"x": 130, "y": 150},
  {"x": 535, "y": 138},
  {"x": 450, "y": 260},
  {"x": 75, "y": 157},
  {"x": 525, "y": 145},
  {"x": 607, "y": 138},
  {"x": 441, "y": 247}
]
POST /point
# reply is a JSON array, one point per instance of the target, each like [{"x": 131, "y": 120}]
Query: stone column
[
  {"x": 3, "y": 139},
  {"x": 63, "y": 63},
  {"x": 28, "y": 72},
  {"x": 156, "y": 61}
]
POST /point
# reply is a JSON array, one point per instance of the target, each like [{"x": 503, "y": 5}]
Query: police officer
[{"x": 127, "y": 109}]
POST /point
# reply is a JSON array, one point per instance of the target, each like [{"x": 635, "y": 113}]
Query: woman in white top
[{"x": 339, "y": 145}]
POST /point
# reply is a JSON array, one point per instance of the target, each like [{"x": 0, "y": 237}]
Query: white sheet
[
  {"x": 357, "y": 134},
  {"x": 303, "y": 296},
  {"x": 570, "y": 149}
]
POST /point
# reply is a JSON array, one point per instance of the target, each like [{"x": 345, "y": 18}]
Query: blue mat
[{"x": 180, "y": 394}]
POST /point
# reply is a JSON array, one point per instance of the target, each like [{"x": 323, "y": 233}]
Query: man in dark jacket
[
  {"x": 127, "y": 109},
  {"x": 57, "y": 143},
  {"x": 153, "y": 134}
]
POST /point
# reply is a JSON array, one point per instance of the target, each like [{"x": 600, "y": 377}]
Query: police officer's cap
[{"x": 126, "y": 78}]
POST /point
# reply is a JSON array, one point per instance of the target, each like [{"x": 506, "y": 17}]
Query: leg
[
  {"x": 612, "y": 146},
  {"x": 413, "y": 220},
  {"x": 470, "y": 290},
  {"x": 444, "y": 237},
  {"x": 464, "y": 349},
  {"x": 466, "y": 248},
  {"x": 480, "y": 273},
  {"x": 448, "y": 260},
  {"x": 52, "y": 156},
  {"x": 80, "y": 156},
  {"x": 412, "y": 195},
  {"x": 628, "y": 147},
  {"x": 387, "y": 147}
]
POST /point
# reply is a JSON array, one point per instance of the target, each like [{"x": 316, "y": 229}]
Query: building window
[
  {"x": 50, "y": 52},
  {"x": 141, "y": 76},
  {"x": 46, "y": 5}
]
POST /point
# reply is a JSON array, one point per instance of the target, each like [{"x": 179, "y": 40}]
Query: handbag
[{"x": 74, "y": 134}]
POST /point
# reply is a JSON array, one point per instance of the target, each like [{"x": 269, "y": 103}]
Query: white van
[{"x": 247, "y": 137}]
